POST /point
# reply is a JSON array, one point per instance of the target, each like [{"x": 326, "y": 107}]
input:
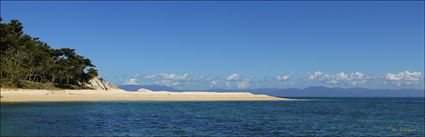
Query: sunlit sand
[{"x": 25, "y": 95}]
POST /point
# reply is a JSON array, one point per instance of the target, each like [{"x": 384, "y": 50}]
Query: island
[{"x": 32, "y": 71}]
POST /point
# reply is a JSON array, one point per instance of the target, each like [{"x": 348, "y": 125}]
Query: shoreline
[{"x": 36, "y": 95}]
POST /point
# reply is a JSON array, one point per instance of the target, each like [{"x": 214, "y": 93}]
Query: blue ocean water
[{"x": 314, "y": 116}]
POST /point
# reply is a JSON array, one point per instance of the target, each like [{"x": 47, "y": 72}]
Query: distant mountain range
[{"x": 318, "y": 91}]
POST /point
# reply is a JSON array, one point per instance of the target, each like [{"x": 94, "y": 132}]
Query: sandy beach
[{"x": 27, "y": 95}]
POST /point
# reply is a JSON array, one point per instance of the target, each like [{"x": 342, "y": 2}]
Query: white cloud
[
  {"x": 409, "y": 76},
  {"x": 316, "y": 76},
  {"x": 332, "y": 81},
  {"x": 214, "y": 83},
  {"x": 404, "y": 78},
  {"x": 168, "y": 76},
  {"x": 133, "y": 80},
  {"x": 339, "y": 78},
  {"x": 169, "y": 79},
  {"x": 358, "y": 78},
  {"x": 283, "y": 77},
  {"x": 172, "y": 76},
  {"x": 235, "y": 80},
  {"x": 234, "y": 77},
  {"x": 357, "y": 75}
]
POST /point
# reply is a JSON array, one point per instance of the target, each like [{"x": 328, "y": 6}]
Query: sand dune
[{"x": 26, "y": 95}]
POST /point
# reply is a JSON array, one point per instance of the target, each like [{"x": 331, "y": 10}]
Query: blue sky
[{"x": 200, "y": 45}]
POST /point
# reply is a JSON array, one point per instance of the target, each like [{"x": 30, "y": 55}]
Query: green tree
[{"x": 25, "y": 58}]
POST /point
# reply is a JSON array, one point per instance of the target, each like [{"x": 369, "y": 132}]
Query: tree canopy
[{"x": 28, "y": 62}]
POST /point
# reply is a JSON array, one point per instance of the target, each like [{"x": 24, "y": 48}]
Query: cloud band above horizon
[{"x": 405, "y": 79}]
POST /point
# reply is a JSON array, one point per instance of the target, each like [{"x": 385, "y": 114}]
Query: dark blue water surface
[{"x": 320, "y": 117}]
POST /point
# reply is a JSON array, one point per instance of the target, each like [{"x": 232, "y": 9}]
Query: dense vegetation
[{"x": 27, "y": 62}]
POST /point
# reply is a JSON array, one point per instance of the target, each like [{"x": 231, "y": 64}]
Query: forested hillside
[{"x": 28, "y": 62}]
